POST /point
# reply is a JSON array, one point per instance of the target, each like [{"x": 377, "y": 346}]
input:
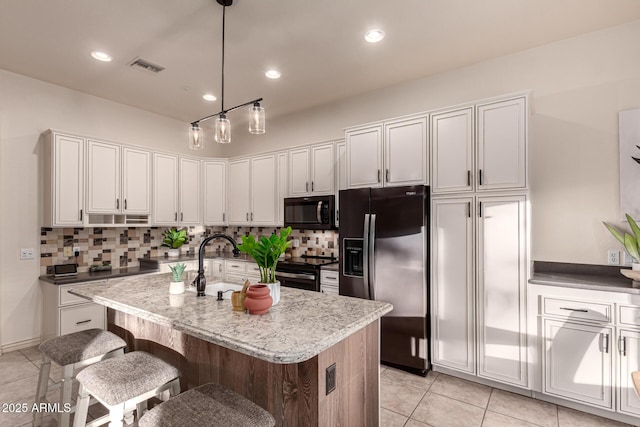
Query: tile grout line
[{"x": 486, "y": 408}]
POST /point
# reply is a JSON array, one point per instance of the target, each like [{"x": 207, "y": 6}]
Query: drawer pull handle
[
  {"x": 581, "y": 310},
  {"x": 83, "y": 322},
  {"x": 330, "y": 277}
]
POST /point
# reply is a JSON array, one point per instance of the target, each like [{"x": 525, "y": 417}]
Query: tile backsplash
[{"x": 121, "y": 247}]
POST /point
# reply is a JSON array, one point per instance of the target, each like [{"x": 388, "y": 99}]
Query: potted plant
[
  {"x": 630, "y": 242},
  {"x": 177, "y": 284},
  {"x": 174, "y": 239},
  {"x": 266, "y": 251}
]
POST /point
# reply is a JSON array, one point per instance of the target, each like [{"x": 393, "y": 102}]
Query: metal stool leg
[{"x": 43, "y": 383}]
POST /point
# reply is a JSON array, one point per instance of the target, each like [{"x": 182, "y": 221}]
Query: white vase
[
  {"x": 274, "y": 291},
  {"x": 176, "y": 288},
  {"x": 173, "y": 253}
]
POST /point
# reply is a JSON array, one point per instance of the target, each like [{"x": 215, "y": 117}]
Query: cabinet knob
[
  {"x": 80, "y": 214},
  {"x": 175, "y": 216},
  {"x": 247, "y": 216},
  {"x": 311, "y": 186},
  {"x": 125, "y": 203},
  {"x": 117, "y": 203},
  {"x": 469, "y": 178},
  {"x": 387, "y": 175},
  {"x": 480, "y": 177},
  {"x": 378, "y": 175},
  {"x": 251, "y": 216},
  {"x": 181, "y": 216},
  {"x": 223, "y": 215}
]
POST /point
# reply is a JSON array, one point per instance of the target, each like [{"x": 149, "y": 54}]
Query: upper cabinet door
[
  {"x": 263, "y": 190},
  {"x": 322, "y": 167},
  {"x": 341, "y": 175},
  {"x": 282, "y": 182},
  {"x": 165, "y": 189},
  {"x": 299, "y": 184},
  {"x": 103, "y": 178},
  {"x": 215, "y": 188},
  {"x": 239, "y": 192},
  {"x": 502, "y": 133},
  {"x": 364, "y": 157},
  {"x": 452, "y": 145},
  {"x": 136, "y": 181},
  {"x": 405, "y": 149},
  {"x": 67, "y": 195},
  {"x": 189, "y": 192}
]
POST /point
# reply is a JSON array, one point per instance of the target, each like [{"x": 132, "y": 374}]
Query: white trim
[{"x": 19, "y": 345}]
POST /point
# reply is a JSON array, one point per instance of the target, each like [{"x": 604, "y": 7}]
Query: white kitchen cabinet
[
  {"x": 578, "y": 361},
  {"x": 629, "y": 354},
  {"x": 452, "y": 149},
  {"x": 217, "y": 269},
  {"x": 341, "y": 175},
  {"x": 215, "y": 192},
  {"x": 311, "y": 170},
  {"x": 452, "y": 284},
  {"x": 329, "y": 282},
  {"x": 165, "y": 189},
  {"x": 176, "y": 190},
  {"x": 391, "y": 154},
  {"x": 189, "y": 192},
  {"x": 282, "y": 185},
  {"x": 64, "y": 166},
  {"x": 64, "y": 313},
  {"x": 118, "y": 180},
  {"x": 405, "y": 152},
  {"x": 239, "y": 192},
  {"x": 364, "y": 157},
  {"x": 103, "y": 177},
  {"x": 263, "y": 190},
  {"x": 501, "y": 147},
  {"x": 501, "y": 289}
]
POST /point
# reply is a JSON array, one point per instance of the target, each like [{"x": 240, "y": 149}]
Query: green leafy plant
[
  {"x": 266, "y": 251},
  {"x": 630, "y": 242},
  {"x": 177, "y": 271},
  {"x": 174, "y": 238}
]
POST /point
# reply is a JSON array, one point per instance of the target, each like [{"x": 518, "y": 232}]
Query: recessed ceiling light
[
  {"x": 209, "y": 97},
  {"x": 273, "y": 74},
  {"x": 101, "y": 56},
  {"x": 374, "y": 36}
]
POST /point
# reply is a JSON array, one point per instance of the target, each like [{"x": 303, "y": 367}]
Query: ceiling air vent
[{"x": 144, "y": 65}]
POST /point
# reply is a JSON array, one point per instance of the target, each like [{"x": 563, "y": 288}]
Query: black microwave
[{"x": 310, "y": 213}]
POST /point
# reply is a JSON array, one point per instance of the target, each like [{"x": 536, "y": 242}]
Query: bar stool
[
  {"x": 123, "y": 384},
  {"x": 72, "y": 351},
  {"x": 207, "y": 405}
]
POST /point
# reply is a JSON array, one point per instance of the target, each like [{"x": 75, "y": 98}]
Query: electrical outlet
[
  {"x": 628, "y": 259},
  {"x": 331, "y": 378},
  {"x": 26, "y": 253},
  {"x": 67, "y": 251},
  {"x": 76, "y": 250},
  {"x": 613, "y": 257}
]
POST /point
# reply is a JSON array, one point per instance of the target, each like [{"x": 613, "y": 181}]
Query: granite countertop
[
  {"x": 582, "y": 276},
  {"x": 99, "y": 275},
  {"x": 302, "y": 325}
]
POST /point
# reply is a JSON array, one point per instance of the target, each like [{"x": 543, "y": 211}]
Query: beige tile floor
[
  {"x": 405, "y": 399},
  {"x": 442, "y": 400}
]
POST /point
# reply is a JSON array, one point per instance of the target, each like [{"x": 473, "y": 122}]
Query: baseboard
[{"x": 19, "y": 345}]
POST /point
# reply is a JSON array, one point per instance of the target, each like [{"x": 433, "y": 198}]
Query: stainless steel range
[{"x": 302, "y": 272}]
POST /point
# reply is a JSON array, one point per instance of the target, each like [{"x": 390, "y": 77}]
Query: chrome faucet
[{"x": 201, "y": 281}]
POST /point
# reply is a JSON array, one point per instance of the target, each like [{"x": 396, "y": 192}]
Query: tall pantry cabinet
[{"x": 479, "y": 243}]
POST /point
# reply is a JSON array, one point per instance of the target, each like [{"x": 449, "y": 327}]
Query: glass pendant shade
[
  {"x": 256, "y": 119},
  {"x": 196, "y": 138},
  {"x": 223, "y": 130}
]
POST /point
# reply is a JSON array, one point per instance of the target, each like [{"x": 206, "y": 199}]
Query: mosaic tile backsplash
[{"x": 121, "y": 247}]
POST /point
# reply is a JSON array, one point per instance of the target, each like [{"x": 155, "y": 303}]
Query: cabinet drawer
[
  {"x": 68, "y": 299},
  {"x": 329, "y": 289},
  {"x": 81, "y": 317},
  {"x": 629, "y": 315},
  {"x": 584, "y": 310},
  {"x": 235, "y": 267},
  {"x": 329, "y": 277},
  {"x": 253, "y": 270}
]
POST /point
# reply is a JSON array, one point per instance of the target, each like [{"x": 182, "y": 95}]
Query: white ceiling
[{"x": 317, "y": 45}]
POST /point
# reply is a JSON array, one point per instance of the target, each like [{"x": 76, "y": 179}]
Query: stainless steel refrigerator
[{"x": 384, "y": 235}]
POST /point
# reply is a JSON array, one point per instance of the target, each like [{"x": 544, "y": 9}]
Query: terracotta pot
[{"x": 258, "y": 300}]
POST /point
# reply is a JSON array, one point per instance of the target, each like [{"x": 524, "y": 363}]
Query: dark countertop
[
  {"x": 98, "y": 275},
  {"x": 582, "y": 276},
  {"x": 331, "y": 267}
]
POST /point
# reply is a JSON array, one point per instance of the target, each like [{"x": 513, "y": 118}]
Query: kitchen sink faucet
[{"x": 201, "y": 281}]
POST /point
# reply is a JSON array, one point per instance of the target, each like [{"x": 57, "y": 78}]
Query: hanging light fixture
[{"x": 223, "y": 125}]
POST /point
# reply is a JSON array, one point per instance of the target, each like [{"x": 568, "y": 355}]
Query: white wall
[
  {"x": 578, "y": 85},
  {"x": 27, "y": 108}
]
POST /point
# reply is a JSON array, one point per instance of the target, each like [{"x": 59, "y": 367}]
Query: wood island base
[{"x": 295, "y": 394}]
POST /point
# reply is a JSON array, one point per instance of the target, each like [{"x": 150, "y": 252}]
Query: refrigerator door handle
[
  {"x": 372, "y": 258},
  {"x": 365, "y": 257}
]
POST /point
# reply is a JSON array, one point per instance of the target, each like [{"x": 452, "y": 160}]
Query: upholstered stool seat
[
  {"x": 123, "y": 384},
  {"x": 207, "y": 405},
  {"x": 72, "y": 351}
]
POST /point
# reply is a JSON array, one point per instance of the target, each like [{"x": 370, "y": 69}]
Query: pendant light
[{"x": 222, "y": 133}]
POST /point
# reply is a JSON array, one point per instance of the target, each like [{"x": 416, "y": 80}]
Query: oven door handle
[{"x": 295, "y": 275}]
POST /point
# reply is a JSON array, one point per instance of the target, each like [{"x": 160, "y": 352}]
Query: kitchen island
[{"x": 280, "y": 360}]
